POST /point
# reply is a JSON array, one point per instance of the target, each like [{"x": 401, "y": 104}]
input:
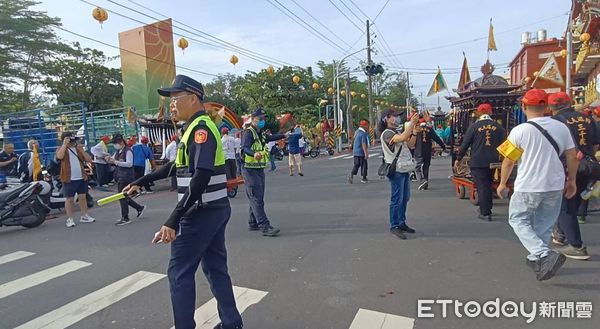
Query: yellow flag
[
  {"x": 491, "y": 40},
  {"x": 37, "y": 165}
]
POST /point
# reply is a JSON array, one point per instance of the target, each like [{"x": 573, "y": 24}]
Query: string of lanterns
[{"x": 101, "y": 15}]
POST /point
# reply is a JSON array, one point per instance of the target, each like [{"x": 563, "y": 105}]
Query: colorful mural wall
[{"x": 147, "y": 63}]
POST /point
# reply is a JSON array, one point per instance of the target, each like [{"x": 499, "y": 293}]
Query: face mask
[
  {"x": 261, "y": 124},
  {"x": 118, "y": 146}
]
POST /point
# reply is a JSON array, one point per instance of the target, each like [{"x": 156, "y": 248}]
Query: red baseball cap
[
  {"x": 484, "y": 108},
  {"x": 535, "y": 97},
  {"x": 363, "y": 123},
  {"x": 559, "y": 98},
  {"x": 105, "y": 139},
  {"x": 224, "y": 130}
]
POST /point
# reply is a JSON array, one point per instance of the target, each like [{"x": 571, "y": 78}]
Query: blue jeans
[
  {"x": 272, "y": 159},
  {"x": 399, "y": 199},
  {"x": 201, "y": 241},
  {"x": 532, "y": 216}
]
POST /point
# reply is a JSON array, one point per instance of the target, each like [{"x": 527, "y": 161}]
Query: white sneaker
[
  {"x": 87, "y": 219},
  {"x": 70, "y": 222}
]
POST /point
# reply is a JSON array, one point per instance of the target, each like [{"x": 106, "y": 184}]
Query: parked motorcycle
[{"x": 22, "y": 206}]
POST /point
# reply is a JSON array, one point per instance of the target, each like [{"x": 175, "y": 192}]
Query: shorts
[
  {"x": 75, "y": 187},
  {"x": 295, "y": 159}
]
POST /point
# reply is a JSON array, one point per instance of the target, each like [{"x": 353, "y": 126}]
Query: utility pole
[
  {"x": 348, "y": 109},
  {"x": 407, "y": 93},
  {"x": 369, "y": 78},
  {"x": 422, "y": 105}
]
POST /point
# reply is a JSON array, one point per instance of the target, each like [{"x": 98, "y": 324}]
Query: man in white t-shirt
[
  {"x": 228, "y": 144},
  {"x": 540, "y": 183}
]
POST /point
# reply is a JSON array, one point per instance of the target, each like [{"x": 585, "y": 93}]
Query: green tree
[
  {"x": 27, "y": 44},
  {"x": 83, "y": 77},
  {"x": 224, "y": 89}
]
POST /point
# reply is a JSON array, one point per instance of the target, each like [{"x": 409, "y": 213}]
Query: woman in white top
[{"x": 398, "y": 144}]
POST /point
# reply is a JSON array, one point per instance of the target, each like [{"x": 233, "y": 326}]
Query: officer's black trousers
[
  {"x": 254, "y": 179},
  {"x": 201, "y": 240},
  {"x": 484, "y": 177}
]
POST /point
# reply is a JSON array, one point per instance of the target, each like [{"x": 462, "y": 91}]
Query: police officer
[
  {"x": 567, "y": 234},
  {"x": 196, "y": 226},
  {"x": 483, "y": 137},
  {"x": 255, "y": 156}
]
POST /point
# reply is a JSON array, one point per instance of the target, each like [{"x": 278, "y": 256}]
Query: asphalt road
[{"x": 334, "y": 263}]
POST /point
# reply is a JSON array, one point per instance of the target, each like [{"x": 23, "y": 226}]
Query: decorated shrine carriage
[{"x": 503, "y": 97}]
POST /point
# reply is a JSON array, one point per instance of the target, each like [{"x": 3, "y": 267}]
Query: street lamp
[{"x": 336, "y": 86}]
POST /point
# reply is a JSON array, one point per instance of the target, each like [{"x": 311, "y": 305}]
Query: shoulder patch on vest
[{"x": 200, "y": 136}]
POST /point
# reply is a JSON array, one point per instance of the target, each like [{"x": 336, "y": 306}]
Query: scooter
[{"x": 22, "y": 206}]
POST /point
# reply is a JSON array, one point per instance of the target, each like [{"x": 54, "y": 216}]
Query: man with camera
[{"x": 73, "y": 176}]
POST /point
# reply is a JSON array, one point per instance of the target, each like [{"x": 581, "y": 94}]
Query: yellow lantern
[
  {"x": 536, "y": 73},
  {"x": 330, "y": 91},
  {"x": 100, "y": 14},
  {"x": 323, "y": 102},
  {"x": 315, "y": 86},
  {"x": 363, "y": 96},
  {"x": 585, "y": 37},
  {"x": 377, "y": 102},
  {"x": 343, "y": 93},
  {"x": 234, "y": 60},
  {"x": 270, "y": 70},
  {"x": 527, "y": 79},
  {"x": 296, "y": 79},
  {"x": 353, "y": 94},
  {"x": 563, "y": 53},
  {"x": 182, "y": 43}
]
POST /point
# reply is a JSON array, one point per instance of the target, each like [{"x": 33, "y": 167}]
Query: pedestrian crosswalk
[
  {"x": 206, "y": 316},
  {"x": 370, "y": 319}
]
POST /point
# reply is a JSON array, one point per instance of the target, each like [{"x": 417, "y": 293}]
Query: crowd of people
[{"x": 554, "y": 152}]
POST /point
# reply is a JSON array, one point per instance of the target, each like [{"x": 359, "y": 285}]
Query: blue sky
[{"x": 410, "y": 27}]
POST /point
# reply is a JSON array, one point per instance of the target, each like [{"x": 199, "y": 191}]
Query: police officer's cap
[
  {"x": 183, "y": 83},
  {"x": 259, "y": 113}
]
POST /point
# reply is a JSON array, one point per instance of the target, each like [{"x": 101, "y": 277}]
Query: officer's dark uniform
[
  {"x": 254, "y": 141},
  {"x": 483, "y": 136},
  {"x": 200, "y": 217},
  {"x": 585, "y": 136},
  {"x": 423, "y": 152}
]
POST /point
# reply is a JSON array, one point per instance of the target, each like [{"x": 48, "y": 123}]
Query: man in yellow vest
[
  {"x": 255, "y": 156},
  {"x": 197, "y": 224}
]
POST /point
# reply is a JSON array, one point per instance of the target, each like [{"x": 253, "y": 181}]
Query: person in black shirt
[
  {"x": 566, "y": 233},
  {"x": 424, "y": 150},
  {"x": 483, "y": 137},
  {"x": 8, "y": 160}
]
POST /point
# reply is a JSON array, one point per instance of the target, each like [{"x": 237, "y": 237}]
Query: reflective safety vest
[
  {"x": 217, "y": 186},
  {"x": 258, "y": 146}
]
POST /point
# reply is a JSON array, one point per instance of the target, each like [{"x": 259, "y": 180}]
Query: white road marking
[
  {"x": 348, "y": 157},
  {"x": 40, "y": 277},
  {"x": 207, "y": 317},
  {"x": 15, "y": 256},
  {"x": 338, "y": 157},
  {"x": 366, "y": 319},
  {"x": 91, "y": 303}
]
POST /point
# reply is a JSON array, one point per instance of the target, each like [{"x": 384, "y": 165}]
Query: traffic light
[{"x": 374, "y": 69}]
